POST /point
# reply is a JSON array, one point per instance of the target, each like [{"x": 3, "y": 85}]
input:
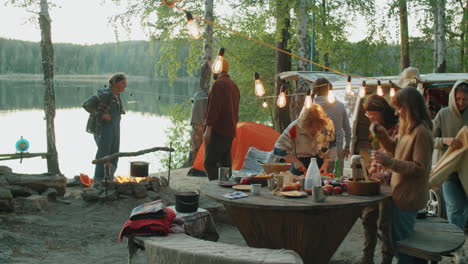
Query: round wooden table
[{"x": 313, "y": 229}]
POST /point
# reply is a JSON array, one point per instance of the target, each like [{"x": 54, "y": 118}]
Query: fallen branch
[
  {"x": 130, "y": 154},
  {"x": 23, "y": 156}
]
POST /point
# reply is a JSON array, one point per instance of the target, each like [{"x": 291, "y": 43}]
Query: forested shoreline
[{"x": 141, "y": 58}]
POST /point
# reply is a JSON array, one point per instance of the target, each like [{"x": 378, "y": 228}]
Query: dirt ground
[{"x": 82, "y": 232}]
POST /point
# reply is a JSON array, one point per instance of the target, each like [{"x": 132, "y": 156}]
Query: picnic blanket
[
  {"x": 453, "y": 160},
  {"x": 182, "y": 249}
]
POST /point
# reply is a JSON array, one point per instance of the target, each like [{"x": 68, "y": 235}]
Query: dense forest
[
  {"x": 132, "y": 57},
  {"x": 141, "y": 57}
]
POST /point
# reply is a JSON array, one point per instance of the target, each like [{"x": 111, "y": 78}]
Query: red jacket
[
  {"x": 223, "y": 106},
  {"x": 160, "y": 227}
]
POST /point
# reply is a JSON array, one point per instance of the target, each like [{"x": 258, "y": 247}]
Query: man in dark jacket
[{"x": 220, "y": 123}]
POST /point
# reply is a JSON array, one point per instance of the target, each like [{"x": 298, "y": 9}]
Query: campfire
[{"x": 123, "y": 179}]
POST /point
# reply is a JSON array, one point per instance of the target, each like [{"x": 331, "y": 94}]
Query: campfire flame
[{"x": 123, "y": 179}]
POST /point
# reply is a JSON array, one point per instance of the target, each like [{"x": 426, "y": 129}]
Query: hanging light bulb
[
  {"x": 362, "y": 92},
  {"x": 192, "y": 26},
  {"x": 218, "y": 63},
  {"x": 349, "y": 87},
  {"x": 379, "y": 88},
  {"x": 265, "y": 105},
  {"x": 281, "y": 102},
  {"x": 259, "y": 89},
  {"x": 331, "y": 96},
  {"x": 308, "y": 100},
  {"x": 392, "y": 90}
]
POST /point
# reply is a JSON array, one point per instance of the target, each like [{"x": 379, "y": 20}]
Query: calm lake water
[{"x": 147, "y": 103}]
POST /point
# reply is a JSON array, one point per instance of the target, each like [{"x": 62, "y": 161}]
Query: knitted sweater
[{"x": 411, "y": 167}]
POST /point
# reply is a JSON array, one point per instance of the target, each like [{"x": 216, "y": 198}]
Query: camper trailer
[{"x": 435, "y": 88}]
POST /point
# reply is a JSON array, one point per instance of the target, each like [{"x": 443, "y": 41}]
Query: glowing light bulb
[
  {"x": 349, "y": 87},
  {"x": 362, "y": 92},
  {"x": 392, "y": 90},
  {"x": 281, "y": 102},
  {"x": 331, "y": 97},
  {"x": 218, "y": 63},
  {"x": 308, "y": 100},
  {"x": 265, "y": 105},
  {"x": 259, "y": 89},
  {"x": 379, "y": 88},
  {"x": 192, "y": 27}
]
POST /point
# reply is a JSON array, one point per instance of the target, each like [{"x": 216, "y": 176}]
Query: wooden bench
[
  {"x": 433, "y": 238},
  {"x": 182, "y": 249}
]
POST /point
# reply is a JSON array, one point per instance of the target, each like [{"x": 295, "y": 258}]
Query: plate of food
[
  {"x": 241, "y": 187},
  {"x": 294, "y": 194},
  {"x": 227, "y": 183}
]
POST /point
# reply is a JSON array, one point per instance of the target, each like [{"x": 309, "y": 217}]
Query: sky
[{"x": 85, "y": 22}]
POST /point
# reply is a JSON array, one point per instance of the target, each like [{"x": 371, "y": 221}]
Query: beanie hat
[{"x": 225, "y": 65}]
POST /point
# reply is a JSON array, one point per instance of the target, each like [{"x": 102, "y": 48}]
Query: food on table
[
  {"x": 328, "y": 188},
  {"x": 293, "y": 194},
  {"x": 288, "y": 187},
  {"x": 308, "y": 191},
  {"x": 245, "y": 181},
  {"x": 338, "y": 190},
  {"x": 297, "y": 186}
]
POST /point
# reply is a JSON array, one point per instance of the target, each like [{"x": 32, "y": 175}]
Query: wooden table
[{"x": 312, "y": 229}]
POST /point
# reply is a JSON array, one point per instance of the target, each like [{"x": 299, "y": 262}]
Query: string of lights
[{"x": 259, "y": 89}]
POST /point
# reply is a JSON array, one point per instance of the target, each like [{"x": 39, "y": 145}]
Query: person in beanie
[{"x": 220, "y": 123}]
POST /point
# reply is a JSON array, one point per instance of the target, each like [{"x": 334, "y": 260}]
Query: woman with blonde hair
[
  {"x": 309, "y": 136},
  {"x": 411, "y": 162}
]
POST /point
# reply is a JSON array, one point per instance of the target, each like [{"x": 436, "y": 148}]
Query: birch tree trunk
[
  {"x": 47, "y": 53},
  {"x": 464, "y": 38},
  {"x": 404, "y": 37},
  {"x": 436, "y": 32},
  {"x": 441, "y": 42},
  {"x": 303, "y": 51},
  {"x": 204, "y": 85},
  {"x": 283, "y": 61}
]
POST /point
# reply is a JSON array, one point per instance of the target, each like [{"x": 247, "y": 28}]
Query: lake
[{"x": 147, "y": 103}]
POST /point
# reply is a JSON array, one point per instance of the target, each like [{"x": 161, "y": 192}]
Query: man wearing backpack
[{"x": 105, "y": 111}]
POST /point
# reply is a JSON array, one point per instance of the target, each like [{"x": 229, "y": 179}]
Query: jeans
[
  {"x": 402, "y": 227},
  {"x": 108, "y": 143},
  {"x": 217, "y": 154},
  {"x": 456, "y": 202}
]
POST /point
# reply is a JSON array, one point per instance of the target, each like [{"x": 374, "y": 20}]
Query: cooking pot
[
  {"x": 139, "y": 169},
  {"x": 186, "y": 202}
]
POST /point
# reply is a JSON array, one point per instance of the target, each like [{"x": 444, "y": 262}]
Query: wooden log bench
[
  {"x": 433, "y": 238},
  {"x": 183, "y": 249}
]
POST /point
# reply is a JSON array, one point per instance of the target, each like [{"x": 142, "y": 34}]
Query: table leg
[{"x": 315, "y": 235}]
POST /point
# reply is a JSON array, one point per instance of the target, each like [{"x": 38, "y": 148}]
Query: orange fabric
[
  {"x": 85, "y": 180},
  {"x": 248, "y": 135}
]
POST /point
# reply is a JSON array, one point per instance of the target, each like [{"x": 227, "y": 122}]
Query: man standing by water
[{"x": 220, "y": 123}]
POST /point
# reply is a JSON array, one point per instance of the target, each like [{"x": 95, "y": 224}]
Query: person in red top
[{"x": 220, "y": 123}]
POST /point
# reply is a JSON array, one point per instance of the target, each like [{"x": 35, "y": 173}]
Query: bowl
[
  {"x": 365, "y": 188},
  {"x": 275, "y": 167},
  {"x": 260, "y": 178}
]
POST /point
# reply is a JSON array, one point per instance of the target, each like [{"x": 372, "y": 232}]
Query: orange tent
[{"x": 248, "y": 135}]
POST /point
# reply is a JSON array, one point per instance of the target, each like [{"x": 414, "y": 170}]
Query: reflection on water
[{"x": 143, "y": 126}]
